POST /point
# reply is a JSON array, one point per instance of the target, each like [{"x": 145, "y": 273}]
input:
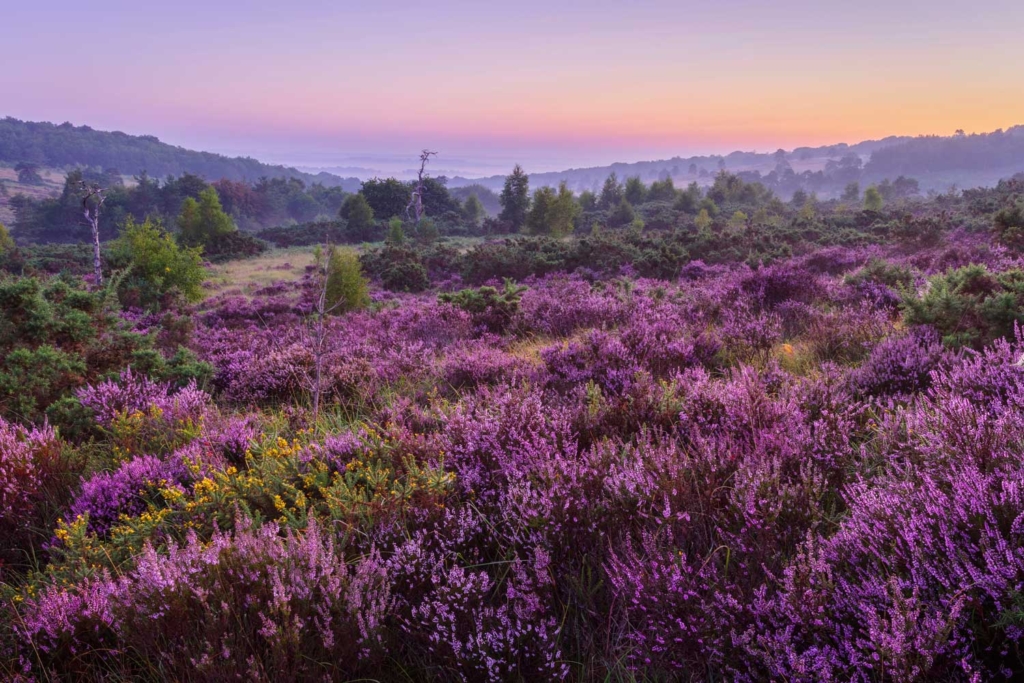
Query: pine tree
[
  {"x": 396, "y": 232},
  {"x": 611, "y": 193},
  {"x": 538, "y": 220},
  {"x": 515, "y": 198},
  {"x": 636, "y": 191}
]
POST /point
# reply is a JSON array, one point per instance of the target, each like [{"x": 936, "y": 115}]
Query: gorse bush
[
  {"x": 489, "y": 306},
  {"x": 55, "y": 337},
  {"x": 970, "y": 306}
]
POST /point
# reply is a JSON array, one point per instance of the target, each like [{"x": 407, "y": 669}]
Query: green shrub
[
  {"x": 1009, "y": 225},
  {"x": 402, "y": 268},
  {"x": 880, "y": 271},
  {"x": 970, "y": 306},
  {"x": 158, "y": 266},
  {"x": 347, "y": 289},
  {"x": 56, "y": 337},
  {"x": 396, "y": 232},
  {"x": 489, "y": 306}
]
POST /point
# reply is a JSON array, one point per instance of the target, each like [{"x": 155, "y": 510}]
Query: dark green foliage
[
  {"x": 427, "y": 231},
  {"x": 661, "y": 191},
  {"x": 234, "y": 245},
  {"x": 387, "y": 198},
  {"x": 399, "y": 268},
  {"x": 515, "y": 199},
  {"x": 55, "y": 337},
  {"x": 1009, "y": 225},
  {"x": 920, "y": 230},
  {"x": 437, "y": 200},
  {"x": 611, "y": 193},
  {"x": 306, "y": 234},
  {"x": 588, "y": 200},
  {"x": 28, "y": 173},
  {"x": 33, "y": 378},
  {"x": 396, "y": 232},
  {"x": 635, "y": 191},
  {"x": 494, "y": 308},
  {"x": 880, "y": 271},
  {"x": 346, "y": 288},
  {"x": 689, "y": 199},
  {"x": 76, "y": 422},
  {"x": 970, "y": 306},
  {"x": 358, "y": 215},
  {"x": 622, "y": 215}
]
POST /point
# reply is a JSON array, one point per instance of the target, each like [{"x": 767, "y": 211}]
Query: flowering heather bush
[
  {"x": 136, "y": 393},
  {"x": 899, "y": 366},
  {"x": 107, "y": 496},
  {"x": 294, "y": 605},
  {"x": 739, "y": 474},
  {"x": 30, "y": 465}
]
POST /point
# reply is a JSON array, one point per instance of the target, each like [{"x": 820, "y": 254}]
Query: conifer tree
[{"x": 515, "y": 198}]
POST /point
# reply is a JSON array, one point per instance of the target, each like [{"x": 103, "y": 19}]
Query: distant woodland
[
  {"x": 46, "y": 144},
  {"x": 937, "y": 163},
  {"x": 47, "y": 166}
]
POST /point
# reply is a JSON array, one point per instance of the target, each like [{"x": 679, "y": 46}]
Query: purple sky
[{"x": 553, "y": 84}]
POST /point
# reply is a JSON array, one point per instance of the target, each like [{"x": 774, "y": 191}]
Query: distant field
[
  {"x": 53, "y": 183},
  {"x": 249, "y": 275}
]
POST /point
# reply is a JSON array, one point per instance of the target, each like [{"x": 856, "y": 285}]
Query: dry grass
[
  {"x": 248, "y": 275},
  {"x": 53, "y": 183}
]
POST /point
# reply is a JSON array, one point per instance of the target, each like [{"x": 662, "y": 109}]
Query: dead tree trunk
[
  {"x": 91, "y": 209},
  {"x": 416, "y": 201}
]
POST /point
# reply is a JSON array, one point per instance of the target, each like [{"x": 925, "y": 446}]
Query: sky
[{"x": 550, "y": 84}]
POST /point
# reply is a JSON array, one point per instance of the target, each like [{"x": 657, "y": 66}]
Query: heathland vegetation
[{"x": 649, "y": 432}]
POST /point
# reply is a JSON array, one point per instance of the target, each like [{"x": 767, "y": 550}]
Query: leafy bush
[
  {"x": 158, "y": 266},
  {"x": 346, "y": 289}
]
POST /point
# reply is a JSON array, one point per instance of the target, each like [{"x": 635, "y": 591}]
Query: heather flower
[{"x": 106, "y": 496}]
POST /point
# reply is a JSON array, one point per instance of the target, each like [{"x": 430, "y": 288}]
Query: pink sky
[{"x": 572, "y": 83}]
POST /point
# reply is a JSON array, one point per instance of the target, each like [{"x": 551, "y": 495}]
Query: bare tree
[
  {"x": 91, "y": 204},
  {"x": 316, "y": 331},
  {"x": 416, "y": 201}
]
